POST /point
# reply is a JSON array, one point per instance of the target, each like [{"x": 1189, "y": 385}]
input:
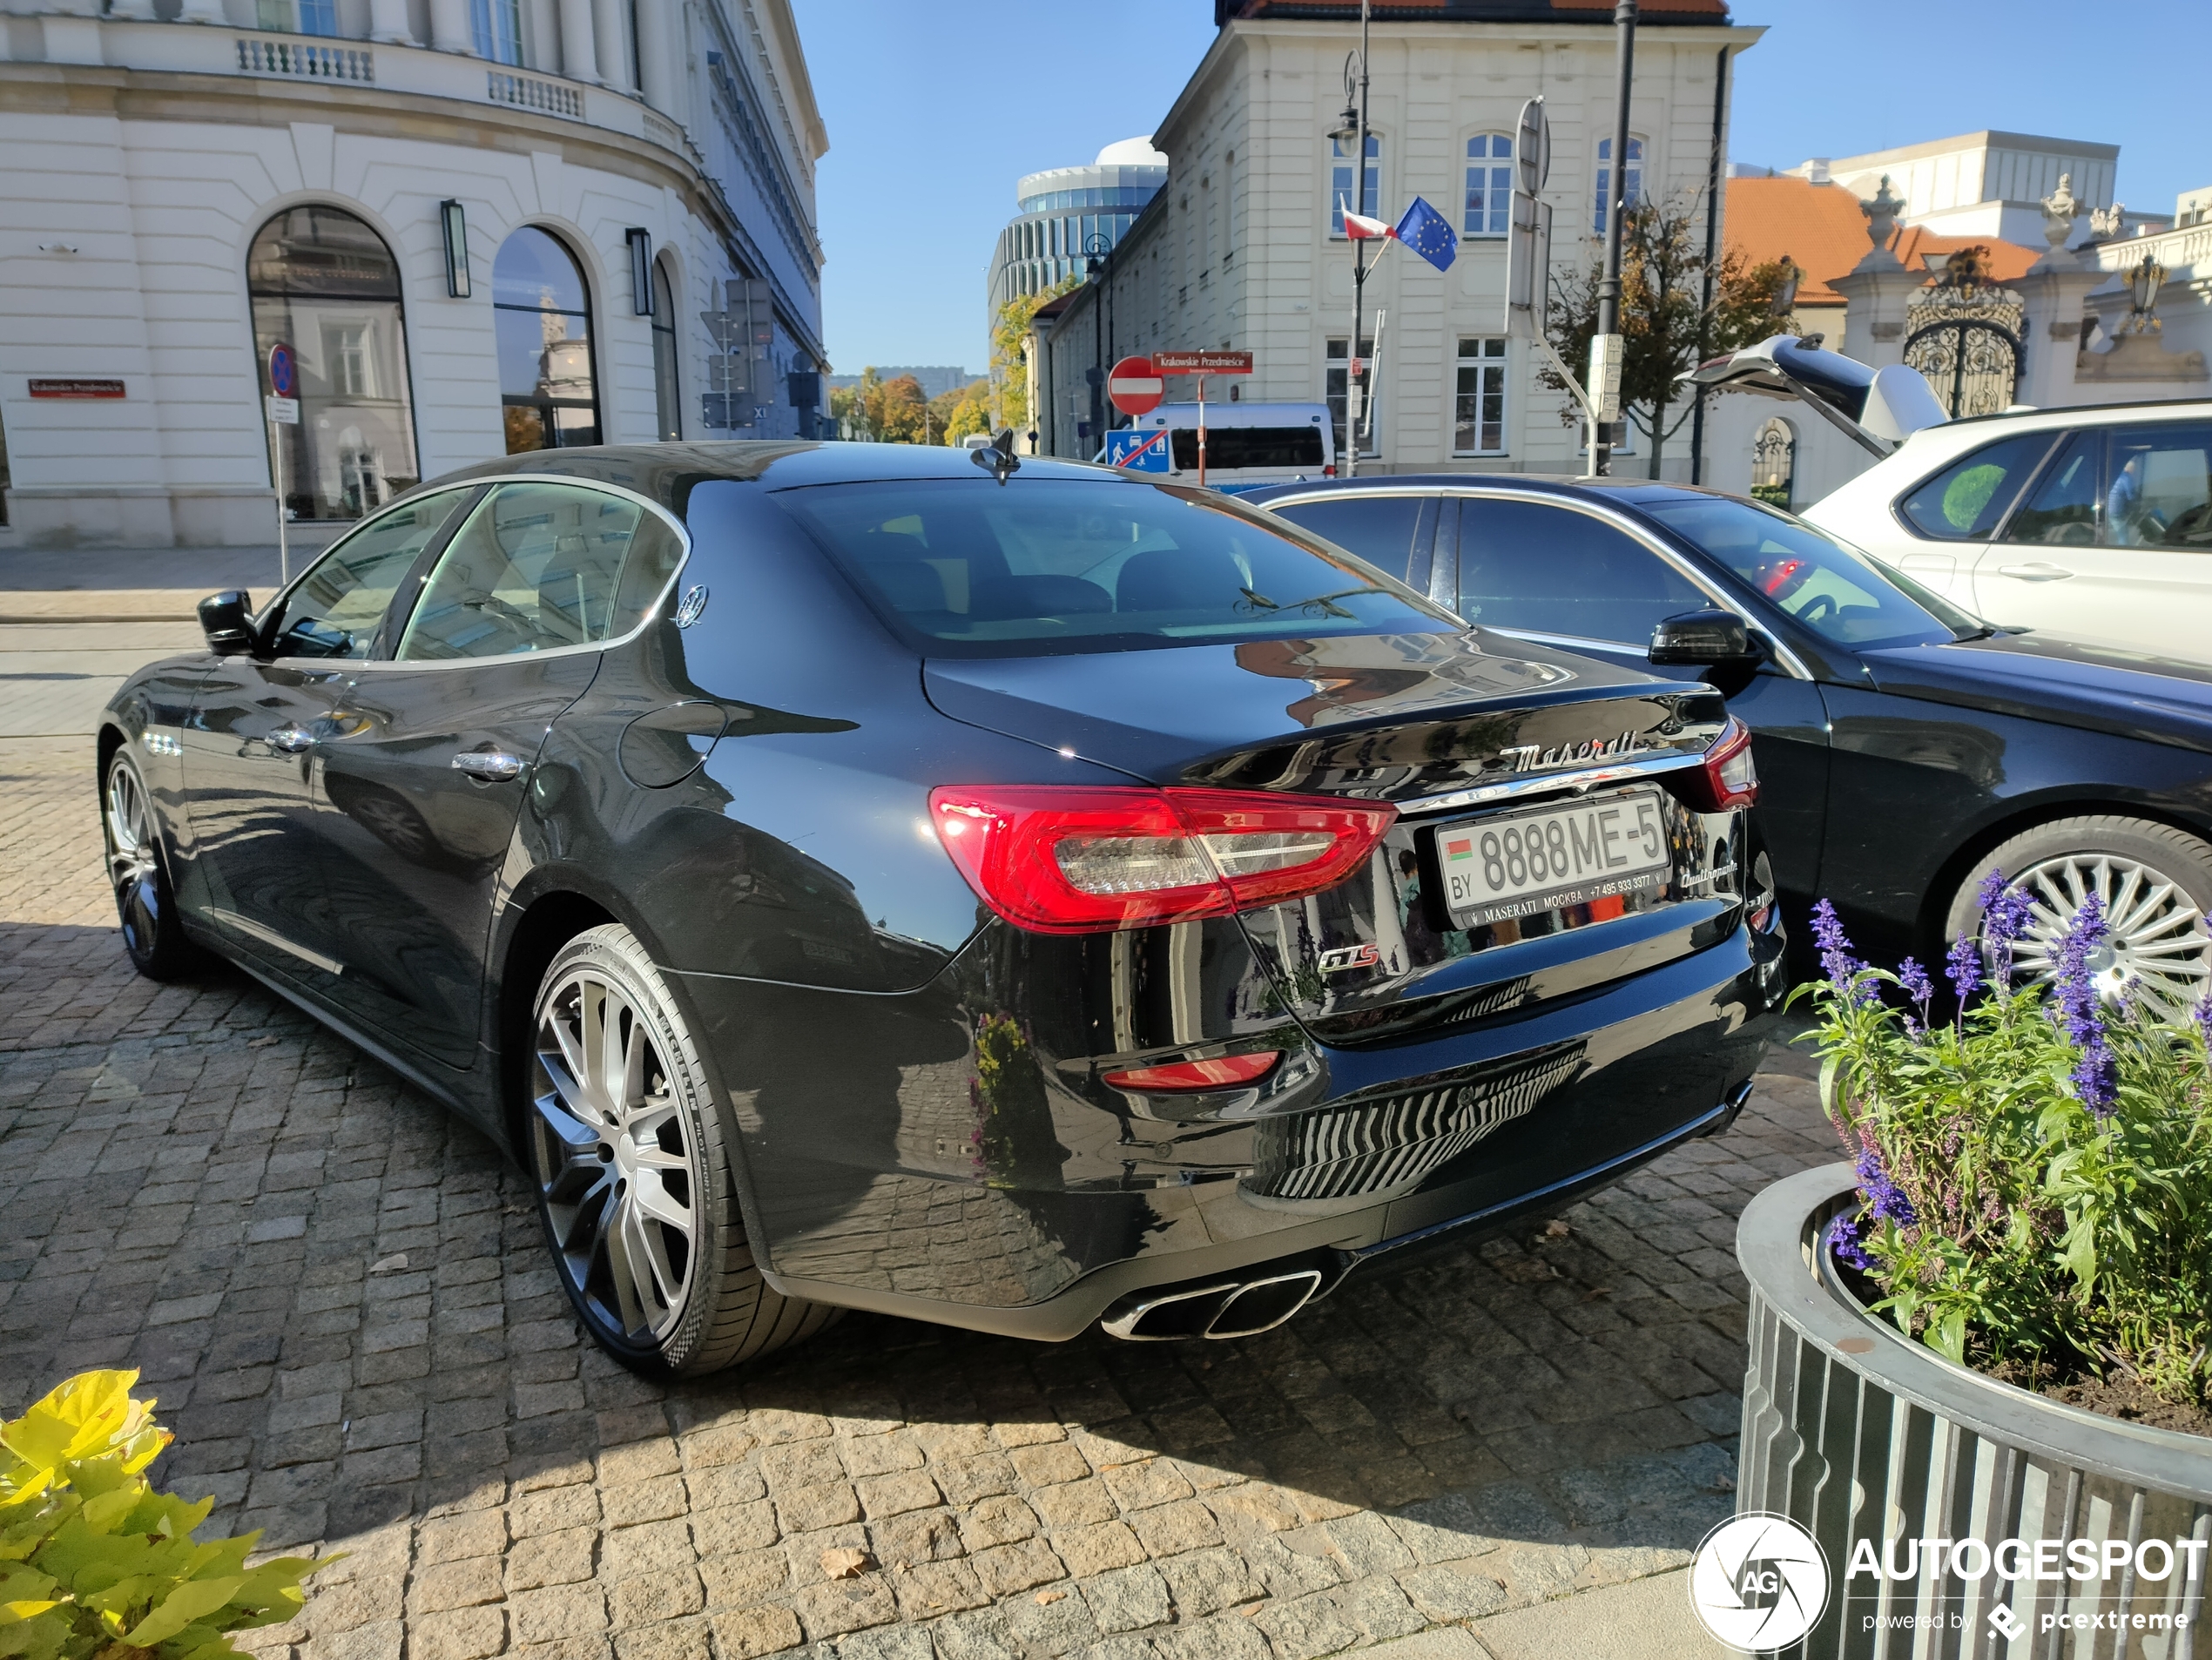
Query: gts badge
[{"x": 1350, "y": 956}]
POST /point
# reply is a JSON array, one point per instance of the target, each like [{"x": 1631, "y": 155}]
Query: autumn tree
[
  {"x": 885, "y": 412},
  {"x": 1010, "y": 352},
  {"x": 963, "y": 410},
  {"x": 1666, "y": 324}
]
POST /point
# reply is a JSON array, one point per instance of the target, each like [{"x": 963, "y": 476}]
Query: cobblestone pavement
[{"x": 339, "y": 1296}]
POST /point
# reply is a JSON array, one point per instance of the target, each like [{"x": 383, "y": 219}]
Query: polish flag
[{"x": 1359, "y": 227}]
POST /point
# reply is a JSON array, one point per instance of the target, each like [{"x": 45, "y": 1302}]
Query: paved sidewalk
[{"x": 338, "y": 1294}]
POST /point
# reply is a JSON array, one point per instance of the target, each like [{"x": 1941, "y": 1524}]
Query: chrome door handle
[
  {"x": 292, "y": 740},
  {"x": 492, "y": 765},
  {"x": 2036, "y": 572}
]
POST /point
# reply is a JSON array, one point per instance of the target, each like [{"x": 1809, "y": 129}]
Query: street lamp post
[
  {"x": 1353, "y": 127},
  {"x": 1098, "y": 254},
  {"x": 1605, "y": 349}
]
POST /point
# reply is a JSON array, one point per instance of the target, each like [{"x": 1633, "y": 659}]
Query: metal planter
[{"x": 1858, "y": 1434}]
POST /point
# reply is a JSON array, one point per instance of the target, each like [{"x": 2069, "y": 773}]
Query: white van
[{"x": 1246, "y": 444}]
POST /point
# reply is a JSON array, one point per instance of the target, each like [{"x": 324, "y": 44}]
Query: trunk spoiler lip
[
  {"x": 1876, "y": 408},
  {"x": 1580, "y": 780}
]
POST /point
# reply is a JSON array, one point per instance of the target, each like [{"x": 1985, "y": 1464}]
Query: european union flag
[{"x": 1429, "y": 234}]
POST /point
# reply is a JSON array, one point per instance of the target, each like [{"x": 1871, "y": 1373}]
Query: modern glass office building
[{"x": 1062, "y": 208}]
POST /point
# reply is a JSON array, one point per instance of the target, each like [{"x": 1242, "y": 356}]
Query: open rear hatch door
[
  {"x": 1540, "y": 794},
  {"x": 1877, "y": 410}
]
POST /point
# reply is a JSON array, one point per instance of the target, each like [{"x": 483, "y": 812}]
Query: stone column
[
  {"x": 387, "y": 24},
  {"x": 657, "y": 47},
  {"x": 609, "y": 20},
  {"x": 579, "y": 41},
  {"x": 449, "y": 29},
  {"x": 2051, "y": 294},
  {"x": 1878, "y": 289}
]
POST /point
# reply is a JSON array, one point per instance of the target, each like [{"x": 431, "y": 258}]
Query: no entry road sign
[
  {"x": 1138, "y": 452},
  {"x": 284, "y": 376},
  {"x": 1203, "y": 362},
  {"x": 1134, "y": 386}
]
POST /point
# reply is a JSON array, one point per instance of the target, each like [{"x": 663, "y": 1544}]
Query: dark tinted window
[
  {"x": 1550, "y": 569},
  {"x": 1227, "y": 446},
  {"x": 1379, "y": 528},
  {"x": 2062, "y": 510},
  {"x": 2160, "y": 489},
  {"x": 1967, "y": 501},
  {"x": 1054, "y": 565},
  {"x": 1839, "y": 595},
  {"x": 334, "y": 609}
]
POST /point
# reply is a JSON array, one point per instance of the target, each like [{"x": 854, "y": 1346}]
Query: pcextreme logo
[{"x": 1758, "y": 1582}]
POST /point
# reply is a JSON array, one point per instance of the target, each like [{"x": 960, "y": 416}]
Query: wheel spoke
[
  {"x": 581, "y": 1111},
  {"x": 659, "y": 1284},
  {"x": 652, "y": 1196},
  {"x": 618, "y": 1242}
]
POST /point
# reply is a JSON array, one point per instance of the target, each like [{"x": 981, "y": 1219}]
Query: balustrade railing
[
  {"x": 526, "y": 91},
  {"x": 261, "y": 54}
]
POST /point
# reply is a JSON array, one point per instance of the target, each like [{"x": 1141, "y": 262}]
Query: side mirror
[
  {"x": 1706, "y": 639},
  {"x": 227, "y": 621}
]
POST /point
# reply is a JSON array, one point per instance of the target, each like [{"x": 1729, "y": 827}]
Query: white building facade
[
  {"x": 1244, "y": 247},
  {"x": 476, "y": 226}
]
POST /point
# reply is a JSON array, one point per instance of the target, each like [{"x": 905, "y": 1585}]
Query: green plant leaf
[{"x": 190, "y": 1600}]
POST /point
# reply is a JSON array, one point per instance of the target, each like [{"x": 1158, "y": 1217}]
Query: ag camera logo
[{"x": 1758, "y": 1582}]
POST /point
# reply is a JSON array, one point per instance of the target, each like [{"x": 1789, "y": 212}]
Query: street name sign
[
  {"x": 1137, "y": 451},
  {"x": 1203, "y": 362},
  {"x": 74, "y": 386},
  {"x": 1134, "y": 386}
]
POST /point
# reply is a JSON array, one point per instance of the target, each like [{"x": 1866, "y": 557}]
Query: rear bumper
[{"x": 877, "y": 1178}]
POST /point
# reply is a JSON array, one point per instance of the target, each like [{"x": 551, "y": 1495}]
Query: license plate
[{"x": 1519, "y": 864}]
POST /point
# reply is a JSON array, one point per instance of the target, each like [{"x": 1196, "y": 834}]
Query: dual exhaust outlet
[{"x": 1231, "y": 1308}]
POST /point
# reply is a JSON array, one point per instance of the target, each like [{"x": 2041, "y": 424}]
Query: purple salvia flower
[
  {"x": 2095, "y": 1076},
  {"x": 1884, "y": 1197},
  {"x": 2203, "y": 1013},
  {"x": 1837, "y": 962},
  {"x": 1916, "y": 986},
  {"x": 1962, "y": 968},
  {"x": 1851, "y": 1244},
  {"x": 2006, "y": 913}
]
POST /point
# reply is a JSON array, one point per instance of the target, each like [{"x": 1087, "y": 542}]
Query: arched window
[
  {"x": 1363, "y": 194},
  {"x": 1774, "y": 463},
  {"x": 542, "y": 318},
  {"x": 1630, "y": 187},
  {"x": 322, "y": 284},
  {"x": 665, "y": 386},
  {"x": 1489, "y": 184}
]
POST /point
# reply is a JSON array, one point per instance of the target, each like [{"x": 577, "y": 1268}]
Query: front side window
[
  {"x": 323, "y": 285},
  {"x": 538, "y": 567},
  {"x": 542, "y": 322},
  {"x": 1968, "y": 500},
  {"x": 1379, "y": 528},
  {"x": 2161, "y": 495},
  {"x": 334, "y": 611},
  {"x": 1553, "y": 570},
  {"x": 1479, "y": 405},
  {"x": 1631, "y": 186},
  {"x": 1840, "y": 595},
  {"x": 1490, "y": 206},
  {"x": 2061, "y": 511},
  {"x": 1053, "y": 566},
  {"x": 1359, "y": 189}
]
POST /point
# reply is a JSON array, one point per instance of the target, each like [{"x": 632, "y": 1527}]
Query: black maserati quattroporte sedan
[{"x": 1008, "y": 894}]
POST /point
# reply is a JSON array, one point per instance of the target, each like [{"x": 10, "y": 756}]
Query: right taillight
[
  {"x": 1093, "y": 859},
  {"x": 1727, "y": 776}
]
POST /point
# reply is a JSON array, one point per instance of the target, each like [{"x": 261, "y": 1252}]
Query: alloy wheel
[
  {"x": 2155, "y": 933},
  {"x": 615, "y": 1159},
  {"x": 133, "y": 861}
]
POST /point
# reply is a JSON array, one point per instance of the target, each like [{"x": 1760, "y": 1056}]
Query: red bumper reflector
[{"x": 1224, "y": 1073}]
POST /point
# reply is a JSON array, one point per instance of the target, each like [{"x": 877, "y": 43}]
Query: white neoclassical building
[{"x": 474, "y": 226}]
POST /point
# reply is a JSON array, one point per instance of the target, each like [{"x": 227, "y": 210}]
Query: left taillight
[
  {"x": 1727, "y": 776},
  {"x": 1085, "y": 859}
]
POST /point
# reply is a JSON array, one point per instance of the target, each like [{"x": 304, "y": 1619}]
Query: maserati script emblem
[{"x": 1529, "y": 758}]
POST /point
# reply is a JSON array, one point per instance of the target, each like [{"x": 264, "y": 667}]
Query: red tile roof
[{"x": 1819, "y": 226}]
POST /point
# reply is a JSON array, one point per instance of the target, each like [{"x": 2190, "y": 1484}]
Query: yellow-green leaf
[
  {"x": 79, "y": 1419},
  {"x": 180, "y": 1608}
]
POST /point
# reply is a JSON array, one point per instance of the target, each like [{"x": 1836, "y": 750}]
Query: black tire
[
  {"x": 2153, "y": 881},
  {"x": 652, "y": 1176},
  {"x": 137, "y": 867}
]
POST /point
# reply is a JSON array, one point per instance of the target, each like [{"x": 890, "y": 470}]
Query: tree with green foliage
[
  {"x": 963, "y": 410},
  {"x": 1010, "y": 356},
  {"x": 1666, "y": 324}
]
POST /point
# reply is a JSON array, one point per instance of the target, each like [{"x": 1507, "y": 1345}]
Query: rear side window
[
  {"x": 538, "y": 567},
  {"x": 1379, "y": 528},
  {"x": 1232, "y": 447},
  {"x": 1048, "y": 566},
  {"x": 2161, "y": 495},
  {"x": 1967, "y": 501},
  {"x": 2062, "y": 509}
]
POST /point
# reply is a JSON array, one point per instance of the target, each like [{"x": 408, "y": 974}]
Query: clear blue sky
[{"x": 935, "y": 107}]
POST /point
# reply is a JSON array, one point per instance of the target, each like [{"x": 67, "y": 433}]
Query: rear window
[
  {"x": 1040, "y": 567},
  {"x": 1233, "y": 447},
  {"x": 1967, "y": 501}
]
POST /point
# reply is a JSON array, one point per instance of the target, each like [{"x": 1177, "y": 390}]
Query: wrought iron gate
[{"x": 1973, "y": 364}]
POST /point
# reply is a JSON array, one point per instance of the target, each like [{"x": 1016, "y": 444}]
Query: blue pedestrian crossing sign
[{"x": 1137, "y": 451}]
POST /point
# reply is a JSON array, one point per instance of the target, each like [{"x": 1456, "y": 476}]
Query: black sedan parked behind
[
  {"x": 847, "y": 876},
  {"x": 1906, "y": 749}
]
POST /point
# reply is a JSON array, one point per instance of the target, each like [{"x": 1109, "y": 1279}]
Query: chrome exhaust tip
[{"x": 1231, "y": 1308}]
